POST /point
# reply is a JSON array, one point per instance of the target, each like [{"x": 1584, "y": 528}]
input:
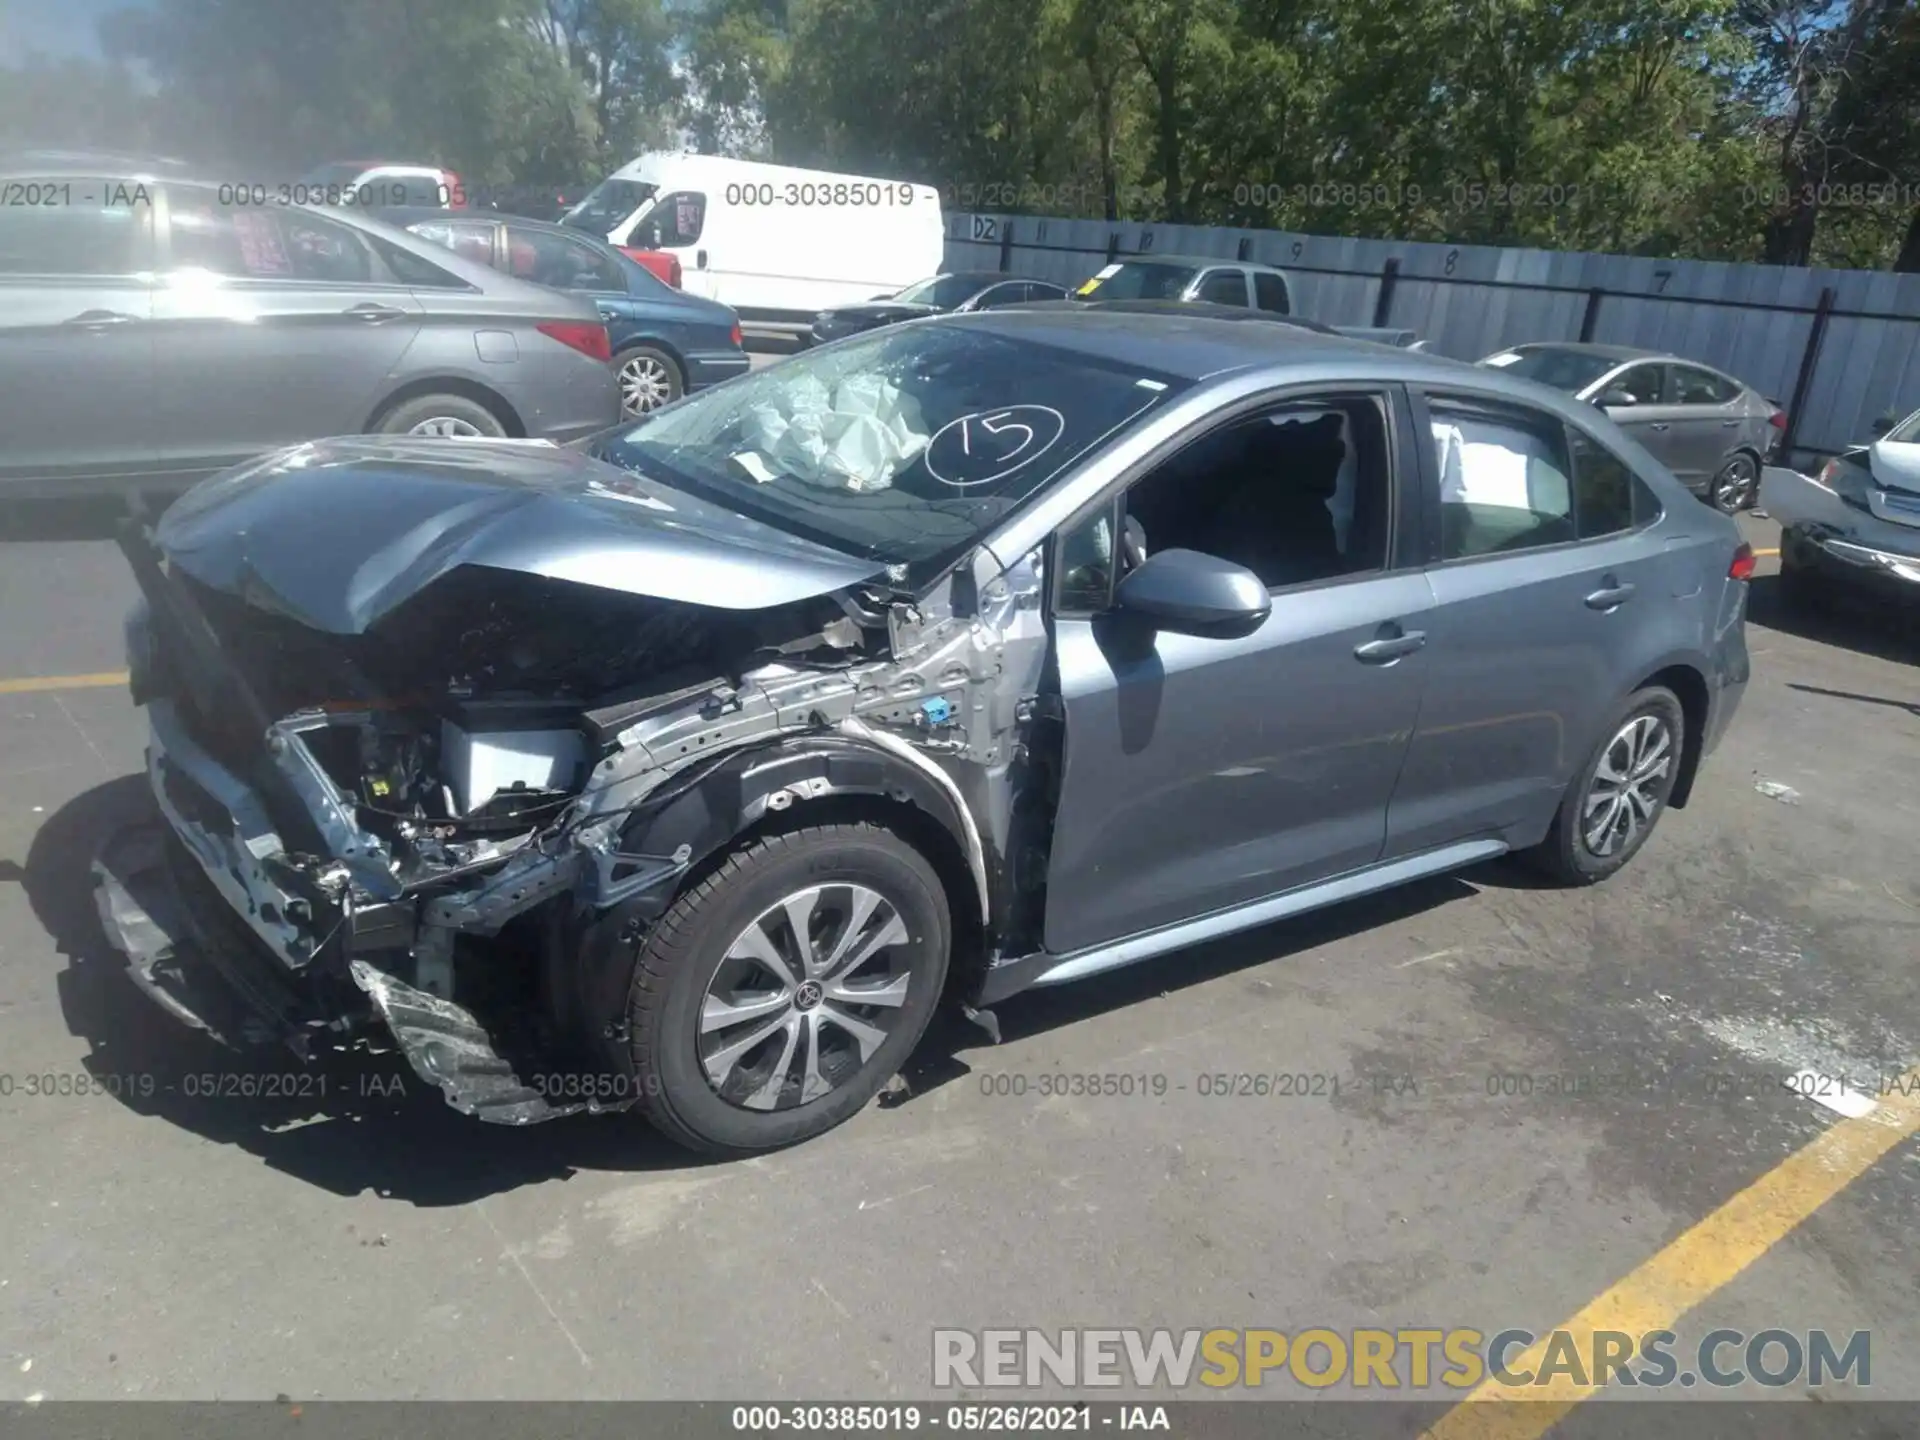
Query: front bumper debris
[{"x": 1848, "y": 543}]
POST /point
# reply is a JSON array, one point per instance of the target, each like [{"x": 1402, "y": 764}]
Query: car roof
[
  {"x": 1599, "y": 352},
  {"x": 1196, "y": 260},
  {"x": 1233, "y": 314},
  {"x": 1191, "y": 342}
]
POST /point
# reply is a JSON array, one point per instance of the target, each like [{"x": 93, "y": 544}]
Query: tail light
[
  {"x": 582, "y": 335},
  {"x": 735, "y": 335},
  {"x": 1743, "y": 563},
  {"x": 1778, "y": 420}
]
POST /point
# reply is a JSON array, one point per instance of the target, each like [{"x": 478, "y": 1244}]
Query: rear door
[
  {"x": 1546, "y": 583},
  {"x": 562, "y": 263},
  {"x": 1709, "y": 421},
  {"x": 76, "y": 329},
  {"x": 273, "y": 324},
  {"x": 1223, "y": 287}
]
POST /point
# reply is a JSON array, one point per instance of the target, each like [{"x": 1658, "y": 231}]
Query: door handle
[
  {"x": 374, "y": 314},
  {"x": 1389, "y": 648},
  {"x": 1610, "y": 597},
  {"x": 700, "y": 260},
  {"x": 1658, "y": 425},
  {"x": 1730, "y": 424},
  {"x": 94, "y": 319}
]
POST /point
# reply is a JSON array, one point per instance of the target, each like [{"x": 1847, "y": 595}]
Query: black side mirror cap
[{"x": 1189, "y": 593}]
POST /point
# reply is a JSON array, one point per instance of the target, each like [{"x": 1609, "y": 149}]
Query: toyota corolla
[{"x": 698, "y": 765}]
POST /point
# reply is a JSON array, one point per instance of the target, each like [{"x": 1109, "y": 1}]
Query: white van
[{"x": 777, "y": 244}]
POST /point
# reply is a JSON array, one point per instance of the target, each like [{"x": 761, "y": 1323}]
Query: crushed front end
[{"x": 397, "y": 836}]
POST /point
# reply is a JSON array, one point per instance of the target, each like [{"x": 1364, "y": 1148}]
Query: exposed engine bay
[{"x": 418, "y": 823}]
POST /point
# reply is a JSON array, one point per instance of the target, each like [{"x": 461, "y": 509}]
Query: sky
[{"x": 59, "y": 27}]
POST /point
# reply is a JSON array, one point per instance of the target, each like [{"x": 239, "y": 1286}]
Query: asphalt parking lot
[{"x": 1518, "y": 1096}]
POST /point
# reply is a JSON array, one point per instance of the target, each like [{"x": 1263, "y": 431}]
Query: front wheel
[
  {"x": 1611, "y": 807},
  {"x": 774, "y": 999},
  {"x": 1736, "y": 486}
]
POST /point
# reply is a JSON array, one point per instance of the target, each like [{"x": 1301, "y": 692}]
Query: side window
[
  {"x": 1504, "y": 480},
  {"x": 1693, "y": 386},
  {"x": 561, "y": 261},
  {"x": 1297, "y": 494},
  {"x": 1608, "y": 497},
  {"x": 469, "y": 239},
  {"x": 1224, "y": 287},
  {"x": 1009, "y": 294},
  {"x": 267, "y": 243},
  {"x": 74, "y": 227},
  {"x": 1645, "y": 383},
  {"x": 1041, "y": 290},
  {"x": 677, "y": 220},
  {"x": 1270, "y": 293}
]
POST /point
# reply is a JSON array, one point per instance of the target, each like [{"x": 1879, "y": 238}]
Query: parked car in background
[
  {"x": 1707, "y": 427},
  {"x": 665, "y": 342},
  {"x": 1855, "y": 527},
  {"x": 777, "y": 244},
  {"x": 370, "y": 184},
  {"x": 704, "y": 760},
  {"x": 152, "y": 331},
  {"x": 1178, "y": 277},
  {"x": 536, "y": 202},
  {"x": 952, "y": 292}
]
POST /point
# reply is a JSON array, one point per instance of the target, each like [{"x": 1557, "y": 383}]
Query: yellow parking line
[
  {"x": 1694, "y": 1266},
  {"x": 34, "y": 684}
]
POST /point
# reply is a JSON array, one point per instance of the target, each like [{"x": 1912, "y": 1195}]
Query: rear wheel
[
  {"x": 1736, "y": 485},
  {"x": 445, "y": 416},
  {"x": 1620, "y": 794},
  {"x": 774, "y": 999},
  {"x": 648, "y": 379}
]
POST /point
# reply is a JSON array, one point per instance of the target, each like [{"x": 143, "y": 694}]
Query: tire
[
  {"x": 1568, "y": 854},
  {"x": 449, "y": 415},
  {"x": 649, "y": 378},
  {"x": 718, "y": 1088},
  {"x": 1736, "y": 485}
]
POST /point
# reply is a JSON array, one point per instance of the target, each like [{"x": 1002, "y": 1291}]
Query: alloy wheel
[
  {"x": 644, "y": 385},
  {"x": 448, "y": 427},
  {"x": 1628, "y": 786},
  {"x": 804, "y": 996},
  {"x": 1734, "y": 487}
]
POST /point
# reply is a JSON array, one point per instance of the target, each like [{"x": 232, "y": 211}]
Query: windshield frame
[
  {"x": 578, "y": 216},
  {"x": 1545, "y": 353},
  {"x": 914, "y": 575}
]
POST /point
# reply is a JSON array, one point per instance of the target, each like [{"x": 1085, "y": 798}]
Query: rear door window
[
  {"x": 1647, "y": 384},
  {"x": 560, "y": 261},
  {"x": 1690, "y": 385},
  {"x": 1505, "y": 479},
  {"x": 1608, "y": 498},
  {"x": 1224, "y": 287},
  {"x": 1270, "y": 293},
  {"x": 469, "y": 239}
]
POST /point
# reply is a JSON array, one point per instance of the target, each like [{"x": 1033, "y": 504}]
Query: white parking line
[{"x": 1833, "y": 1093}]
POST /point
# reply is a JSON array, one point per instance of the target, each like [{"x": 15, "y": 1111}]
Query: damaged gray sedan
[{"x": 691, "y": 769}]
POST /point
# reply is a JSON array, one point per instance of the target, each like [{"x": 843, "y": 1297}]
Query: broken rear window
[{"x": 904, "y": 447}]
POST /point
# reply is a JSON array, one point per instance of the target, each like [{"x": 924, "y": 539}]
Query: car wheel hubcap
[
  {"x": 449, "y": 427},
  {"x": 1735, "y": 486},
  {"x": 1627, "y": 787},
  {"x": 644, "y": 385},
  {"x": 804, "y": 996}
]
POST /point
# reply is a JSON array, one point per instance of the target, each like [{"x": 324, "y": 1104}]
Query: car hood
[
  {"x": 1895, "y": 464},
  {"x": 338, "y": 533}
]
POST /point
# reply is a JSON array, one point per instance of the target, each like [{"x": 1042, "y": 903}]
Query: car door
[
  {"x": 1203, "y": 773},
  {"x": 76, "y": 329},
  {"x": 676, "y": 223},
  {"x": 1708, "y": 422},
  {"x": 273, "y": 325},
  {"x": 1223, "y": 287},
  {"x": 1541, "y": 572}
]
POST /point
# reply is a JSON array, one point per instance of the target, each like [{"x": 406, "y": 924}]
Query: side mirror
[
  {"x": 1194, "y": 594},
  {"x": 1882, "y": 424},
  {"x": 1615, "y": 396}
]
